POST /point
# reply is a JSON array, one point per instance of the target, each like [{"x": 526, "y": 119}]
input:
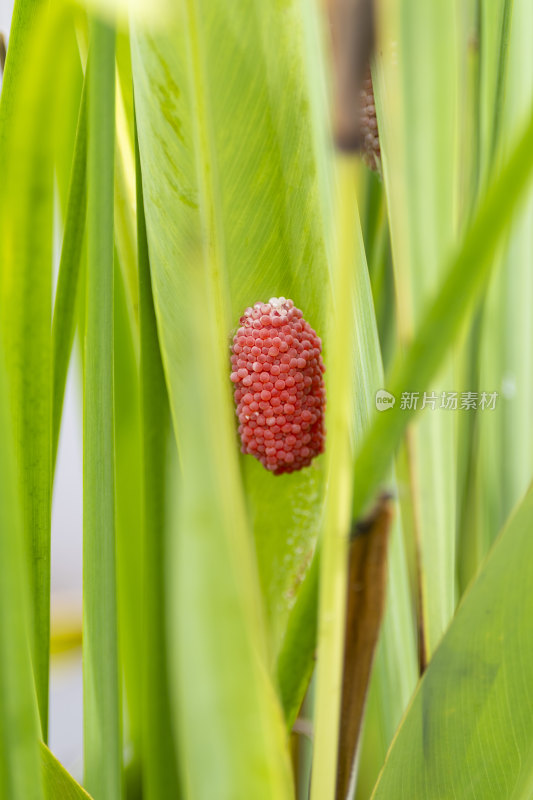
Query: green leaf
[
  {"x": 129, "y": 463},
  {"x": 125, "y": 200},
  {"x": 494, "y": 28},
  {"x": 217, "y": 635},
  {"x": 158, "y": 746},
  {"x": 158, "y": 14},
  {"x": 229, "y": 178},
  {"x": 58, "y": 783},
  {"x": 449, "y": 312},
  {"x": 417, "y": 104},
  {"x": 470, "y": 726},
  {"x": 70, "y": 266},
  {"x": 443, "y": 321},
  {"x": 25, "y": 13},
  {"x": 102, "y": 729},
  {"x": 19, "y": 724},
  {"x": 513, "y": 299},
  {"x": 66, "y": 134},
  {"x": 396, "y": 669},
  {"x": 503, "y": 458},
  {"x": 128, "y": 477},
  {"x": 32, "y": 91},
  {"x": 340, "y": 421},
  {"x": 26, "y": 213},
  {"x": 256, "y": 131}
]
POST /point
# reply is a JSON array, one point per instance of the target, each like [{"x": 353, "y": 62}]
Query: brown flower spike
[
  {"x": 369, "y": 126},
  {"x": 277, "y": 370}
]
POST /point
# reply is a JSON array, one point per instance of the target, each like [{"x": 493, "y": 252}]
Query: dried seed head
[
  {"x": 369, "y": 126},
  {"x": 3, "y": 53},
  {"x": 280, "y": 397}
]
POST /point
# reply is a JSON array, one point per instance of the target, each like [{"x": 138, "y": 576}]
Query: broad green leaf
[
  {"x": 102, "y": 735},
  {"x": 417, "y": 102},
  {"x": 217, "y": 637},
  {"x": 158, "y": 746},
  {"x": 229, "y": 178},
  {"x": 234, "y": 95},
  {"x": 20, "y": 777},
  {"x": 58, "y": 783},
  {"x": 469, "y": 729}
]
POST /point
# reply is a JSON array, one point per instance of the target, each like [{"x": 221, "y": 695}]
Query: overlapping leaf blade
[
  {"x": 469, "y": 729},
  {"x": 232, "y": 206},
  {"x": 267, "y": 207},
  {"x": 58, "y": 783}
]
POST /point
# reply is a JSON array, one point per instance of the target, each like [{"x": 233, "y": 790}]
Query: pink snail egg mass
[{"x": 280, "y": 397}]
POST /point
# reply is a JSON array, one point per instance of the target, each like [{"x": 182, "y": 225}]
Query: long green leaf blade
[
  {"x": 128, "y": 433},
  {"x": 25, "y": 13},
  {"x": 128, "y": 482},
  {"x": 442, "y": 324},
  {"x": 503, "y": 458},
  {"x": 102, "y": 729},
  {"x": 417, "y": 104},
  {"x": 469, "y": 729},
  {"x": 213, "y": 181},
  {"x": 338, "y": 502},
  {"x": 70, "y": 266},
  {"x": 269, "y": 208},
  {"x": 158, "y": 748},
  {"x": 58, "y": 783},
  {"x": 20, "y": 777},
  {"x": 217, "y": 634},
  {"x": 26, "y": 228},
  {"x": 448, "y": 314},
  {"x": 393, "y": 684}
]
